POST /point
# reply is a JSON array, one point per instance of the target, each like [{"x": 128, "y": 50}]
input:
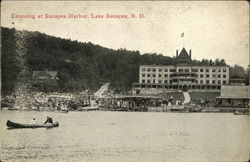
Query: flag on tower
[{"x": 182, "y": 35}]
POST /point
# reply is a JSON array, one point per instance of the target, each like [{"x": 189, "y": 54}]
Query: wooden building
[
  {"x": 155, "y": 79},
  {"x": 234, "y": 96},
  {"x": 44, "y": 80}
]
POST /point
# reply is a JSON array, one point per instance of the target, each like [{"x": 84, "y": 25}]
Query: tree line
[{"x": 80, "y": 65}]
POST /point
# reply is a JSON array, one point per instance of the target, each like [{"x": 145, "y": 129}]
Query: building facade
[
  {"x": 183, "y": 76},
  {"x": 234, "y": 96},
  {"x": 44, "y": 79}
]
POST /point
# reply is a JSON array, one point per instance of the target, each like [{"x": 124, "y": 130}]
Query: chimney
[
  {"x": 210, "y": 62},
  {"x": 249, "y": 73},
  {"x": 176, "y": 53},
  {"x": 190, "y": 53}
]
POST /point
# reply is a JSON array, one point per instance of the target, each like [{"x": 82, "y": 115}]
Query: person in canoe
[{"x": 49, "y": 120}]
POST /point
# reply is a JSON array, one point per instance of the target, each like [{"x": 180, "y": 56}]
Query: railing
[{"x": 183, "y": 74}]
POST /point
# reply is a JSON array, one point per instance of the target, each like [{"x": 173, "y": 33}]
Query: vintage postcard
[{"x": 125, "y": 81}]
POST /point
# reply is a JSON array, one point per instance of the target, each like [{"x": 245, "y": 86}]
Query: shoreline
[{"x": 212, "y": 110}]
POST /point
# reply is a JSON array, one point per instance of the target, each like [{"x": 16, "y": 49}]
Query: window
[
  {"x": 143, "y": 80},
  {"x": 213, "y": 81},
  {"x": 159, "y": 81},
  {"x": 224, "y": 70},
  {"x": 213, "y": 76},
  {"x": 165, "y": 81},
  {"x": 148, "y": 75},
  {"x": 180, "y": 70},
  {"x": 159, "y": 75},
  {"x": 172, "y": 70},
  {"x": 214, "y": 70},
  {"x": 224, "y": 76},
  {"x": 186, "y": 70},
  {"x": 143, "y": 69},
  {"x": 194, "y": 70},
  {"x": 207, "y": 81},
  {"x": 201, "y": 75},
  {"x": 160, "y": 69},
  {"x": 207, "y": 76},
  {"x": 148, "y": 81},
  {"x": 166, "y": 75},
  {"x": 153, "y": 80},
  {"x": 143, "y": 74},
  {"x": 219, "y": 82},
  {"x": 148, "y": 69},
  {"x": 201, "y": 70},
  {"x": 166, "y": 70},
  {"x": 154, "y": 75},
  {"x": 219, "y": 70},
  {"x": 154, "y": 69},
  {"x": 207, "y": 70},
  {"x": 201, "y": 81},
  {"x": 224, "y": 82},
  {"x": 219, "y": 76}
]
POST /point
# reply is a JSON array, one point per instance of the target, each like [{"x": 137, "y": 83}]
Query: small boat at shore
[
  {"x": 11, "y": 124},
  {"x": 62, "y": 111},
  {"x": 241, "y": 113},
  {"x": 88, "y": 108},
  {"x": 210, "y": 110}
]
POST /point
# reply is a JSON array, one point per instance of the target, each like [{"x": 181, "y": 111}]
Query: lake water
[{"x": 126, "y": 136}]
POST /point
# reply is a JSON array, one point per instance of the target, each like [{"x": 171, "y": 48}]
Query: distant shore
[{"x": 160, "y": 109}]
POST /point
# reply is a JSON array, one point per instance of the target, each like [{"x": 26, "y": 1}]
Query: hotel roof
[{"x": 183, "y": 54}]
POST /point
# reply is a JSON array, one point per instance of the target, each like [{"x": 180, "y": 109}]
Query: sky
[{"x": 212, "y": 29}]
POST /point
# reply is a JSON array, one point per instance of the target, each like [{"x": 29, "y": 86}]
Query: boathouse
[{"x": 234, "y": 96}]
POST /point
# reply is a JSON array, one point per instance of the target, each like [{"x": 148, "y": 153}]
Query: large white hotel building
[{"x": 183, "y": 76}]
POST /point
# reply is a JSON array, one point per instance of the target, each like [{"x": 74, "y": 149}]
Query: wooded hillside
[{"x": 80, "y": 65}]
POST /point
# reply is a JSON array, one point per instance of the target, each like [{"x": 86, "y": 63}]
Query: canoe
[
  {"x": 61, "y": 111},
  {"x": 88, "y": 108},
  {"x": 64, "y": 111},
  {"x": 11, "y": 124},
  {"x": 241, "y": 113}
]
